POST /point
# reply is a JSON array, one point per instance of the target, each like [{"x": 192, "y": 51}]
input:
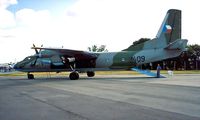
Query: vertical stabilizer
[
  {"x": 168, "y": 34},
  {"x": 170, "y": 29}
]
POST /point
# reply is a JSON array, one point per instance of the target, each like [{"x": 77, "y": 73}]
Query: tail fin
[
  {"x": 169, "y": 32},
  {"x": 170, "y": 29}
]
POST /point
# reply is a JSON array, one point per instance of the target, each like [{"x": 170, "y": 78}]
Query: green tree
[
  {"x": 193, "y": 50},
  {"x": 193, "y": 54},
  {"x": 141, "y": 40},
  {"x": 95, "y": 48}
]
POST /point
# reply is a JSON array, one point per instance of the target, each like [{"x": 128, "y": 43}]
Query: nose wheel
[{"x": 30, "y": 76}]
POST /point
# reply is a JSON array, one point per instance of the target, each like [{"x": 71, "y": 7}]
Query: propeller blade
[
  {"x": 41, "y": 47},
  {"x": 36, "y": 51},
  {"x": 35, "y": 61}
]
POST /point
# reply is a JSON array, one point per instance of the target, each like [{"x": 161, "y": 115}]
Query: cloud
[
  {"x": 115, "y": 23},
  {"x": 31, "y": 18},
  {"x": 7, "y": 18},
  {"x": 11, "y": 37},
  {"x": 5, "y": 3},
  {"x": 39, "y": 26},
  {"x": 106, "y": 22}
]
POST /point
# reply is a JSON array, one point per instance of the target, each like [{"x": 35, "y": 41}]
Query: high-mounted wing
[{"x": 68, "y": 52}]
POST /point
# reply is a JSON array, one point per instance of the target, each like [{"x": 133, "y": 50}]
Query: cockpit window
[{"x": 29, "y": 58}]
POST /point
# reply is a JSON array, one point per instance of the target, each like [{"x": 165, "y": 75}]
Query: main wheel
[
  {"x": 30, "y": 76},
  {"x": 74, "y": 76},
  {"x": 90, "y": 74}
]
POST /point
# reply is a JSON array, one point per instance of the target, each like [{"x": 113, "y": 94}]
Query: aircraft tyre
[
  {"x": 74, "y": 76},
  {"x": 30, "y": 76},
  {"x": 90, "y": 74}
]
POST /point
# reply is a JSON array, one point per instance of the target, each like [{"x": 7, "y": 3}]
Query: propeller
[
  {"x": 38, "y": 53},
  {"x": 36, "y": 50}
]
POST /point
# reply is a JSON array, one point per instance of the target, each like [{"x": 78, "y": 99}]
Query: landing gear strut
[
  {"x": 74, "y": 74},
  {"x": 30, "y": 76}
]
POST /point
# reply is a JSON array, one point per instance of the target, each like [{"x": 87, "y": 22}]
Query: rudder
[{"x": 170, "y": 29}]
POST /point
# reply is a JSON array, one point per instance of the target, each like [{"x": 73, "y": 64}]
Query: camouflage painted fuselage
[
  {"x": 167, "y": 44},
  {"x": 101, "y": 61}
]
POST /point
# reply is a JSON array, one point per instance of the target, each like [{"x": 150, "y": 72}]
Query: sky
[{"x": 78, "y": 24}]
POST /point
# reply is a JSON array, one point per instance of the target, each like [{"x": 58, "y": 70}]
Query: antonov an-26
[{"x": 166, "y": 44}]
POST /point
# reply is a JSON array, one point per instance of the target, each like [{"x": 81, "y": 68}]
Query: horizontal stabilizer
[
  {"x": 146, "y": 72},
  {"x": 179, "y": 44}
]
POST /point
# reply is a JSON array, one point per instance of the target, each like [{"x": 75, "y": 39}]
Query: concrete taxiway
[{"x": 104, "y": 97}]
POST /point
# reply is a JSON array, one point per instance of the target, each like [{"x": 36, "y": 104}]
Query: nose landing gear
[{"x": 30, "y": 76}]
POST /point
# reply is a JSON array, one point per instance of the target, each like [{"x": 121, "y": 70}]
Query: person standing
[{"x": 158, "y": 70}]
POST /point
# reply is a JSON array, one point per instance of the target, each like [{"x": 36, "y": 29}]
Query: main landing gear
[
  {"x": 90, "y": 74},
  {"x": 75, "y": 76},
  {"x": 72, "y": 76}
]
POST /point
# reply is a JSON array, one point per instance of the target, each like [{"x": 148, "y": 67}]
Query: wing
[{"x": 70, "y": 53}]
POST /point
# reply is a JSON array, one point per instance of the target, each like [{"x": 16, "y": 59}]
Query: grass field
[{"x": 97, "y": 73}]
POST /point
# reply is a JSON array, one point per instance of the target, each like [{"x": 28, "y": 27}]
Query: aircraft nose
[{"x": 16, "y": 66}]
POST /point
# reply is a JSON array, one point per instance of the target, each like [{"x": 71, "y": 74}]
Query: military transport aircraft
[{"x": 167, "y": 44}]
